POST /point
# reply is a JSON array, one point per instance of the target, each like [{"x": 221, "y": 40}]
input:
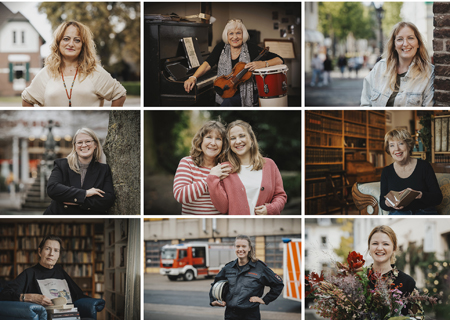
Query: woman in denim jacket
[{"x": 405, "y": 76}]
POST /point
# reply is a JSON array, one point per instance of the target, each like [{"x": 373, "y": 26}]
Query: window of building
[
  {"x": 153, "y": 252},
  {"x": 14, "y": 37},
  {"x": 23, "y": 36},
  {"x": 323, "y": 241},
  {"x": 274, "y": 250}
]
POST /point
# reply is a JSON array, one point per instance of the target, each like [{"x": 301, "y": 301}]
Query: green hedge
[{"x": 133, "y": 88}]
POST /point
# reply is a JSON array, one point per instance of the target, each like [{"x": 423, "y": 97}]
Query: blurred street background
[{"x": 344, "y": 40}]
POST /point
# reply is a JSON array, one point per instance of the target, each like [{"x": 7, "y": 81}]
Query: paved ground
[
  {"x": 131, "y": 101},
  {"x": 343, "y": 91},
  {"x": 172, "y": 300}
]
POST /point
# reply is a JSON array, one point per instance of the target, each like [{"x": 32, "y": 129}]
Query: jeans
[
  {"x": 316, "y": 76},
  {"x": 418, "y": 212}
]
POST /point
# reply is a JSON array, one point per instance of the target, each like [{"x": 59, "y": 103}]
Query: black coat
[
  {"x": 248, "y": 281},
  {"x": 64, "y": 185}
]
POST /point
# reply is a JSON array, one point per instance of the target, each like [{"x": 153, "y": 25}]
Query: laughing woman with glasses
[
  {"x": 80, "y": 184},
  {"x": 227, "y": 54}
]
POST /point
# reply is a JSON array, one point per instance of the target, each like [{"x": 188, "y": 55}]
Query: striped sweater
[{"x": 191, "y": 190}]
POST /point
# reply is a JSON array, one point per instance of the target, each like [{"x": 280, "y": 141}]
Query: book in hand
[{"x": 401, "y": 198}]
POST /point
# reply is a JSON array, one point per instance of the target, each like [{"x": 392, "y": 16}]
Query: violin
[{"x": 226, "y": 86}]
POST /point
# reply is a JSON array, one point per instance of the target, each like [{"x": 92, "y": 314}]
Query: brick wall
[{"x": 441, "y": 47}]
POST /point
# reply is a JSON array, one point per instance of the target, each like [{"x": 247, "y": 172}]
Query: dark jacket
[
  {"x": 246, "y": 282},
  {"x": 64, "y": 185}
]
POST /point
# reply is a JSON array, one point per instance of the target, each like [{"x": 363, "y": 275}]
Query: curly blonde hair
[
  {"x": 87, "y": 60},
  {"x": 72, "y": 158},
  {"x": 196, "y": 152},
  {"x": 399, "y": 135},
  {"x": 421, "y": 68}
]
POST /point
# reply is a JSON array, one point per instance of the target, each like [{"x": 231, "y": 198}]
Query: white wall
[{"x": 31, "y": 38}]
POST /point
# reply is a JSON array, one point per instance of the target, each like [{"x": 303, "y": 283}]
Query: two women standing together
[{"x": 226, "y": 174}]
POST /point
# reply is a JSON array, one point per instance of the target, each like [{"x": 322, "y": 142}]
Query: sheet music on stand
[
  {"x": 192, "y": 51},
  {"x": 283, "y": 47}
]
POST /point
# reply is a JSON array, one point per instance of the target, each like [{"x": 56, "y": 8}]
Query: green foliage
[
  {"x": 346, "y": 244},
  {"x": 115, "y": 26},
  {"x": 133, "y": 88},
  {"x": 292, "y": 185},
  {"x": 391, "y": 17},
  {"x": 339, "y": 19}
]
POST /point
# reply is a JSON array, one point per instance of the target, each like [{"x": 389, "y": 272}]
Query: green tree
[
  {"x": 338, "y": 19},
  {"x": 346, "y": 244},
  {"x": 391, "y": 17},
  {"x": 115, "y": 26}
]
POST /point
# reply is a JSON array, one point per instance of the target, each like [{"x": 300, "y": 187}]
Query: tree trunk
[{"x": 122, "y": 150}]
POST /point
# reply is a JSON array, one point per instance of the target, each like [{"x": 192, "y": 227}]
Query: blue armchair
[{"x": 15, "y": 310}]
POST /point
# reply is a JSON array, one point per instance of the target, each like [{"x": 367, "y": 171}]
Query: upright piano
[{"x": 164, "y": 54}]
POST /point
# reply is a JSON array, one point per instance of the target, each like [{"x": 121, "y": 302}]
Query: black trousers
[{"x": 242, "y": 314}]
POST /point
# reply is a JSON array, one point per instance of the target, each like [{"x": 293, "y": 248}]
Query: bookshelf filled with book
[
  {"x": 19, "y": 249},
  {"x": 116, "y": 251},
  {"x": 333, "y": 138}
]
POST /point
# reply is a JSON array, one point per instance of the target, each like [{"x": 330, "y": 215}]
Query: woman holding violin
[{"x": 227, "y": 54}]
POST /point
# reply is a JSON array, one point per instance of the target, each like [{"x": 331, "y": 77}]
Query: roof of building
[{"x": 7, "y": 15}]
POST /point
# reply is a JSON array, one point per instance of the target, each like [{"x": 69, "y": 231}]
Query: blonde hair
[
  {"x": 72, "y": 158},
  {"x": 390, "y": 233},
  {"x": 400, "y": 135},
  {"x": 232, "y": 25},
  {"x": 87, "y": 60},
  {"x": 252, "y": 253},
  {"x": 196, "y": 152},
  {"x": 256, "y": 159},
  {"x": 420, "y": 69}
]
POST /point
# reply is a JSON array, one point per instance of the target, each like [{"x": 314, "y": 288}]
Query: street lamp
[{"x": 380, "y": 15}]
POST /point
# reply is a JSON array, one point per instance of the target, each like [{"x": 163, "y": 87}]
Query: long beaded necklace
[{"x": 64, "y": 82}]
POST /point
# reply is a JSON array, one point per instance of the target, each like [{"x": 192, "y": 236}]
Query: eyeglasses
[
  {"x": 87, "y": 142},
  {"x": 235, "y": 20}
]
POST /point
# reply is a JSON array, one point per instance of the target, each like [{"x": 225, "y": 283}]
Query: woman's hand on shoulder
[
  {"x": 261, "y": 210},
  {"x": 39, "y": 299},
  {"x": 257, "y": 299},
  {"x": 218, "y": 304},
  {"x": 221, "y": 171},
  {"x": 94, "y": 192}
]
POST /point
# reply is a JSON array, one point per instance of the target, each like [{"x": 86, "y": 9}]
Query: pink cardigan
[{"x": 229, "y": 195}]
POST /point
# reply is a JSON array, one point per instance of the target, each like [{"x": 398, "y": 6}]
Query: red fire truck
[{"x": 191, "y": 260}]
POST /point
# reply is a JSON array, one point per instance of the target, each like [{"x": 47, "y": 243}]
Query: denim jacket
[{"x": 376, "y": 91}]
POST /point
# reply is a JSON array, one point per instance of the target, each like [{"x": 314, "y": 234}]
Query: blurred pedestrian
[
  {"x": 10, "y": 181},
  {"x": 405, "y": 75},
  {"x": 351, "y": 66},
  {"x": 317, "y": 67},
  {"x": 327, "y": 68},
  {"x": 342, "y": 63},
  {"x": 72, "y": 75},
  {"x": 358, "y": 64}
]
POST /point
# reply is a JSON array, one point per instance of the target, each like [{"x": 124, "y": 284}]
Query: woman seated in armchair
[
  {"x": 408, "y": 173},
  {"x": 44, "y": 281}
]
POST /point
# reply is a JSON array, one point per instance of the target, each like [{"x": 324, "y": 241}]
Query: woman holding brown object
[
  {"x": 408, "y": 173},
  {"x": 80, "y": 184},
  {"x": 227, "y": 54},
  {"x": 72, "y": 76}
]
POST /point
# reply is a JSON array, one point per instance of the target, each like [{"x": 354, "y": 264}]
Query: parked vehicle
[{"x": 192, "y": 260}]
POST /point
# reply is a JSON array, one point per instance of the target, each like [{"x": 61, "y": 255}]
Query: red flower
[
  {"x": 355, "y": 260},
  {"x": 313, "y": 279}
]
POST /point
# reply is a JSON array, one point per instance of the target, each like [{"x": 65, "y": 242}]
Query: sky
[{"x": 38, "y": 20}]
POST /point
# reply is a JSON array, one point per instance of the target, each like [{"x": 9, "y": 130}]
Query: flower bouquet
[{"x": 349, "y": 296}]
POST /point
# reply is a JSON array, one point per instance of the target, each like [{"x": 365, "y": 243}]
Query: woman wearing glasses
[
  {"x": 405, "y": 76},
  {"x": 80, "y": 184},
  {"x": 227, "y": 54}
]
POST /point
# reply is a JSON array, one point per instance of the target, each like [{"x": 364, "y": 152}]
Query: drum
[{"x": 272, "y": 86}]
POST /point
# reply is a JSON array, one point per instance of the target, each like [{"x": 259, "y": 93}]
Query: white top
[
  {"x": 90, "y": 92},
  {"x": 252, "y": 183}
]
